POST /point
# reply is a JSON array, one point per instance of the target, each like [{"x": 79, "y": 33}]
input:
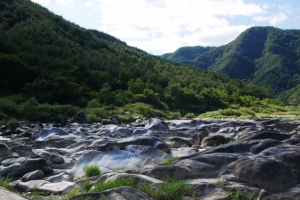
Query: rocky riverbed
[{"x": 254, "y": 158}]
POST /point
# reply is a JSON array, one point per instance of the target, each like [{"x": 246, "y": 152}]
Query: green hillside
[
  {"x": 57, "y": 63},
  {"x": 264, "y": 56}
]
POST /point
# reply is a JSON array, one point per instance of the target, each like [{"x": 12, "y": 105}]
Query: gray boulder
[
  {"x": 35, "y": 175},
  {"x": 80, "y": 118},
  {"x": 265, "y": 173}
]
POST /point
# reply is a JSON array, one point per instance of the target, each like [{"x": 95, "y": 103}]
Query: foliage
[
  {"x": 91, "y": 170},
  {"x": 49, "y": 62}
]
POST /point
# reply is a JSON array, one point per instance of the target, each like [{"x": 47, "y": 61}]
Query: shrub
[
  {"x": 91, "y": 170},
  {"x": 189, "y": 115}
]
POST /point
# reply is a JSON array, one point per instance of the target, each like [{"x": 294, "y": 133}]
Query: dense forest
[
  {"x": 47, "y": 60},
  {"x": 264, "y": 56}
]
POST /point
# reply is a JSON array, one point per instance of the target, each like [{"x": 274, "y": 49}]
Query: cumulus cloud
[
  {"x": 273, "y": 20},
  {"x": 158, "y": 24},
  {"x": 42, "y": 2}
]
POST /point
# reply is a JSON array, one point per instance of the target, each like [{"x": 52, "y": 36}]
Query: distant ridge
[{"x": 264, "y": 56}]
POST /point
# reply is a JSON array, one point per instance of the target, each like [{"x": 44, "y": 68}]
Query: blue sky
[{"x": 162, "y": 26}]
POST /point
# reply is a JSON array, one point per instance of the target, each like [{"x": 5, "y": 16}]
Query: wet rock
[{"x": 148, "y": 152}]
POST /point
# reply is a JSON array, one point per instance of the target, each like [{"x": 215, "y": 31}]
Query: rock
[
  {"x": 214, "y": 140},
  {"x": 198, "y": 137},
  {"x": 31, "y": 185},
  {"x": 146, "y": 141},
  {"x": 148, "y": 152},
  {"x": 170, "y": 172},
  {"x": 58, "y": 188},
  {"x": 58, "y": 178},
  {"x": 29, "y": 165},
  {"x": 106, "y": 121},
  {"x": 23, "y": 151},
  {"x": 120, "y": 193},
  {"x": 57, "y": 160},
  {"x": 269, "y": 135},
  {"x": 156, "y": 125},
  {"x": 80, "y": 118},
  {"x": 265, "y": 173},
  {"x": 35, "y": 175},
  {"x": 111, "y": 160},
  {"x": 264, "y": 144},
  {"x": 6, "y": 195},
  {"x": 4, "y": 152}
]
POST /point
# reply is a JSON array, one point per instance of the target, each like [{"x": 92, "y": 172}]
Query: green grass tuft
[
  {"x": 5, "y": 182},
  {"x": 114, "y": 184},
  {"x": 91, "y": 170},
  {"x": 86, "y": 185},
  {"x": 168, "y": 161}
]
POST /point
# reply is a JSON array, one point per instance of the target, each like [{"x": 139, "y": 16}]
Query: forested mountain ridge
[
  {"x": 264, "y": 56},
  {"x": 57, "y": 62}
]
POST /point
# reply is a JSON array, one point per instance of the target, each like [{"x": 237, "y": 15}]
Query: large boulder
[
  {"x": 29, "y": 165},
  {"x": 35, "y": 175},
  {"x": 111, "y": 160},
  {"x": 80, "y": 118},
  {"x": 4, "y": 152},
  {"x": 265, "y": 173},
  {"x": 214, "y": 140}
]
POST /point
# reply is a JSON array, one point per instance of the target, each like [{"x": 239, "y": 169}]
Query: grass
[
  {"x": 114, "y": 184},
  {"x": 167, "y": 190},
  {"x": 238, "y": 194},
  {"x": 168, "y": 161},
  {"x": 86, "y": 185},
  {"x": 91, "y": 170},
  {"x": 38, "y": 192},
  {"x": 5, "y": 182}
]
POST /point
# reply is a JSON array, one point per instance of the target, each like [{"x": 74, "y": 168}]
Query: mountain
[
  {"x": 264, "y": 56},
  {"x": 186, "y": 55},
  {"x": 57, "y": 62}
]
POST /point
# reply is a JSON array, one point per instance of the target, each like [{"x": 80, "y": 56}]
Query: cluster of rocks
[{"x": 257, "y": 157}]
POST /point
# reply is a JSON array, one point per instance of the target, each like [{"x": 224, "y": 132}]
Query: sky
[{"x": 163, "y": 26}]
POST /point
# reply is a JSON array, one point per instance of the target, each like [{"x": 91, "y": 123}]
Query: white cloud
[
  {"x": 64, "y": 1},
  {"x": 158, "y": 24},
  {"x": 42, "y": 2},
  {"x": 273, "y": 20},
  {"x": 90, "y": 4}
]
